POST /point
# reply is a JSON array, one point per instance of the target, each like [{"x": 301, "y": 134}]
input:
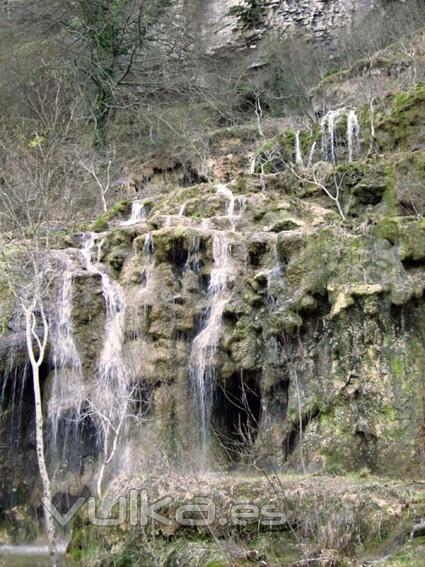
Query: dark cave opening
[
  {"x": 177, "y": 255},
  {"x": 256, "y": 252},
  {"x": 18, "y": 457},
  {"x": 236, "y": 414},
  {"x": 293, "y": 436}
]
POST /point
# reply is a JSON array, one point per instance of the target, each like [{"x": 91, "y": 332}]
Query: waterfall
[
  {"x": 298, "y": 152},
  {"x": 111, "y": 364},
  {"x": 353, "y": 135},
  {"x": 148, "y": 260},
  {"x": 328, "y": 125},
  {"x": 89, "y": 242},
  {"x": 204, "y": 348},
  {"x": 110, "y": 393},
  {"x": 67, "y": 394},
  {"x": 138, "y": 213},
  {"x": 202, "y": 361},
  {"x": 148, "y": 248},
  {"x": 232, "y": 203},
  {"x": 311, "y": 154},
  {"x": 193, "y": 259},
  {"x": 106, "y": 398},
  {"x": 14, "y": 378},
  {"x": 111, "y": 368}
]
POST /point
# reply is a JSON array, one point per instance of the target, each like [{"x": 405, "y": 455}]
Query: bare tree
[
  {"x": 111, "y": 426},
  {"x": 36, "y": 346},
  {"x": 28, "y": 275},
  {"x": 30, "y": 296},
  {"x": 111, "y": 35},
  {"x": 102, "y": 179},
  {"x": 333, "y": 191}
]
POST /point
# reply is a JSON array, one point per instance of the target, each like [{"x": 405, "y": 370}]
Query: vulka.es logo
[{"x": 137, "y": 510}]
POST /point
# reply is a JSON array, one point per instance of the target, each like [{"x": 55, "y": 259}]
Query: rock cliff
[{"x": 230, "y": 331}]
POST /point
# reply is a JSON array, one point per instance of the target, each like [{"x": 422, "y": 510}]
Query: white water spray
[
  {"x": 202, "y": 362},
  {"x": 138, "y": 213},
  {"x": 311, "y": 155},
  {"x": 328, "y": 126},
  {"x": 353, "y": 135},
  {"x": 110, "y": 395},
  {"x": 233, "y": 203},
  {"x": 298, "y": 152},
  {"x": 148, "y": 260},
  {"x": 66, "y": 394},
  {"x": 111, "y": 369}
]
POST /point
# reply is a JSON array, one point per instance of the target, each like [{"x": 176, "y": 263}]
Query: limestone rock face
[
  {"x": 322, "y": 19},
  {"x": 245, "y": 320}
]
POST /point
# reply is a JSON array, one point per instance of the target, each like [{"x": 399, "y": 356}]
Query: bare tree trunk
[{"x": 36, "y": 360}]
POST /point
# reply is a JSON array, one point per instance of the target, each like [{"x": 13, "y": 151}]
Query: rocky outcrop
[
  {"x": 272, "y": 323},
  {"x": 373, "y": 77},
  {"x": 321, "y": 19},
  {"x": 317, "y": 324}
]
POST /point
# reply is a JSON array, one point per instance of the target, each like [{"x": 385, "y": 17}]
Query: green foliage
[
  {"x": 102, "y": 222},
  {"x": 335, "y": 469}
]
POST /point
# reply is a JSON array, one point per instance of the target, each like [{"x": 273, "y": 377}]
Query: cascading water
[
  {"x": 138, "y": 213},
  {"x": 202, "y": 362},
  {"x": 89, "y": 242},
  {"x": 328, "y": 127},
  {"x": 232, "y": 203},
  {"x": 353, "y": 135},
  {"x": 311, "y": 154},
  {"x": 298, "y": 152},
  {"x": 148, "y": 258},
  {"x": 204, "y": 348},
  {"x": 145, "y": 293},
  {"x": 12, "y": 399},
  {"x": 109, "y": 398},
  {"x": 111, "y": 369},
  {"x": 67, "y": 393}
]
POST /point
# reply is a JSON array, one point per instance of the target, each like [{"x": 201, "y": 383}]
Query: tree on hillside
[
  {"x": 27, "y": 271},
  {"x": 25, "y": 263},
  {"x": 111, "y": 34}
]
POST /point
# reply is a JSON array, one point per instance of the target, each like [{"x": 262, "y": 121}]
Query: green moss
[
  {"x": 240, "y": 185},
  {"x": 399, "y": 118},
  {"x": 408, "y": 234},
  {"x": 405, "y": 101},
  {"x": 397, "y": 366},
  {"x": 4, "y": 324},
  {"x": 119, "y": 209}
]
